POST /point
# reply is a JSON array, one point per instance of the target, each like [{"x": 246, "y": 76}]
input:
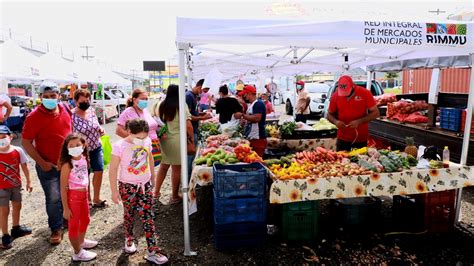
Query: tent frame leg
[
  {"x": 467, "y": 134},
  {"x": 182, "y": 50}
]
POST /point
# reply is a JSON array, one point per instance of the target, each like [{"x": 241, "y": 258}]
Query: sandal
[
  {"x": 175, "y": 201},
  {"x": 100, "y": 205}
]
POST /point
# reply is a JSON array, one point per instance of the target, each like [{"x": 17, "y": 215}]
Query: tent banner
[
  {"x": 456, "y": 37},
  {"x": 415, "y": 34}
]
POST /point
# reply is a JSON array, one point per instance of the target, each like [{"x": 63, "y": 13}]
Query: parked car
[
  {"x": 111, "y": 99},
  {"x": 318, "y": 94},
  {"x": 375, "y": 89}
]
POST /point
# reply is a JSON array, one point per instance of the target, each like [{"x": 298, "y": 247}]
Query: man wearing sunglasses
[{"x": 351, "y": 109}]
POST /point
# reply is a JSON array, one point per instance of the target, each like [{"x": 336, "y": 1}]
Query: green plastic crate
[{"x": 300, "y": 221}]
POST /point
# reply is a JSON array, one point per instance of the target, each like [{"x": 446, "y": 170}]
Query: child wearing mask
[
  {"x": 132, "y": 155},
  {"x": 74, "y": 195},
  {"x": 11, "y": 159}
]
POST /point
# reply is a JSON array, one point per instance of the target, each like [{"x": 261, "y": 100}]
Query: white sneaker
[
  {"x": 130, "y": 246},
  {"x": 88, "y": 244},
  {"x": 84, "y": 255},
  {"x": 156, "y": 258}
]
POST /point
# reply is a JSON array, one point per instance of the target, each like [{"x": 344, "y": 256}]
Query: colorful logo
[
  {"x": 446, "y": 34},
  {"x": 450, "y": 29}
]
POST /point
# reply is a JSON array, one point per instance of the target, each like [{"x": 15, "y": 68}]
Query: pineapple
[{"x": 411, "y": 148}]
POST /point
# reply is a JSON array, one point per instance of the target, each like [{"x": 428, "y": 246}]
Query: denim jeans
[
  {"x": 191, "y": 157},
  {"x": 51, "y": 187}
]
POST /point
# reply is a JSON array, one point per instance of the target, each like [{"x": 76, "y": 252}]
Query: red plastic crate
[
  {"x": 434, "y": 212},
  {"x": 439, "y": 210},
  {"x": 463, "y": 122}
]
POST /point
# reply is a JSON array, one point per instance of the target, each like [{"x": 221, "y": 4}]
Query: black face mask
[{"x": 84, "y": 106}]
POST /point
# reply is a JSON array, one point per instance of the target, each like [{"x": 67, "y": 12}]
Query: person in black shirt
[{"x": 226, "y": 106}]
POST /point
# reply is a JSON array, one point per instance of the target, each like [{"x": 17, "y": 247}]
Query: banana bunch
[{"x": 272, "y": 131}]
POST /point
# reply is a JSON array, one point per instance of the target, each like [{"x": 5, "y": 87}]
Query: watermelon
[
  {"x": 430, "y": 28},
  {"x": 452, "y": 29}
]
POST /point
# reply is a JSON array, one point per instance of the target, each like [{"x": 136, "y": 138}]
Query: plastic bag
[
  {"x": 230, "y": 127},
  {"x": 106, "y": 148}
]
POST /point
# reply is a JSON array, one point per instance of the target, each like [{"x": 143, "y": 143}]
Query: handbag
[{"x": 191, "y": 148}]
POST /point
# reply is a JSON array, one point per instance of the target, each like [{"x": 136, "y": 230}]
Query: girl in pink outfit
[
  {"x": 131, "y": 172},
  {"x": 74, "y": 184}
]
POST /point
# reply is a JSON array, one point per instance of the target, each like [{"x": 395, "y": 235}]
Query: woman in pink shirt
[
  {"x": 132, "y": 155},
  {"x": 137, "y": 108},
  {"x": 205, "y": 101}
]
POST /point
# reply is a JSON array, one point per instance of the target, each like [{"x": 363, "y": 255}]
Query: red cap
[
  {"x": 344, "y": 86},
  {"x": 248, "y": 89},
  {"x": 300, "y": 83}
]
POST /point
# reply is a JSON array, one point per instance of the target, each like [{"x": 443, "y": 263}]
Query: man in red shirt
[
  {"x": 351, "y": 109},
  {"x": 47, "y": 126}
]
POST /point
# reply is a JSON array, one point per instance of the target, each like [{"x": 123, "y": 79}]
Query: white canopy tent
[
  {"x": 17, "y": 64},
  {"x": 55, "y": 68},
  {"x": 344, "y": 45}
]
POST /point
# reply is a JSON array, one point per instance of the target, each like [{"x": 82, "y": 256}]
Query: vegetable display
[
  {"x": 288, "y": 128},
  {"x": 323, "y": 124}
]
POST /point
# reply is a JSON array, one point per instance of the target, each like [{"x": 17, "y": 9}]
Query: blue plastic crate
[
  {"x": 240, "y": 210},
  {"x": 239, "y": 180},
  {"x": 239, "y": 235},
  {"x": 451, "y": 113},
  {"x": 450, "y": 125}
]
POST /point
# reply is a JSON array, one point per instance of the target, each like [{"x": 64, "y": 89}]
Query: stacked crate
[
  {"x": 450, "y": 119},
  {"x": 434, "y": 212},
  {"x": 300, "y": 221},
  {"x": 463, "y": 122},
  {"x": 240, "y": 205}
]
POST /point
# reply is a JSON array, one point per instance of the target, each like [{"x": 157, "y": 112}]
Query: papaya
[{"x": 200, "y": 160}]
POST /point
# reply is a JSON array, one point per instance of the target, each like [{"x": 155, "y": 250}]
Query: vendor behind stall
[
  {"x": 351, "y": 109},
  {"x": 226, "y": 106},
  {"x": 267, "y": 102},
  {"x": 302, "y": 103},
  {"x": 239, "y": 98},
  {"x": 255, "y": 117}
]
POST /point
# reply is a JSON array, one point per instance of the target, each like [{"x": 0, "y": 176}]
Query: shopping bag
[{"x": 107, "y": 148}]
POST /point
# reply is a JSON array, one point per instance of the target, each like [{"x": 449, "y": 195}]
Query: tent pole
[
  {"x": 182, "y": 49},
  {"x": 467, "y": 134},
  {"x": 369, "y": 80}
]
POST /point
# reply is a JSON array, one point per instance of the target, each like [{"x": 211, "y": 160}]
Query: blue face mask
[
  {"x": 142, "y": 104},
  {"x": 50, "y": 104}
]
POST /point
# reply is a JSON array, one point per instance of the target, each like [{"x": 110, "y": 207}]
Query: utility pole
[
  {"x": 87, "y": 56},
  {"x": 437, "y": 11}
]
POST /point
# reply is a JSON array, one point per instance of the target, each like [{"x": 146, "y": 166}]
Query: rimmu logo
[{"x": 446, "y": 34}]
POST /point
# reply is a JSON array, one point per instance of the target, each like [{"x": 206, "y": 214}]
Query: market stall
[{"x": 346, "y": 44}]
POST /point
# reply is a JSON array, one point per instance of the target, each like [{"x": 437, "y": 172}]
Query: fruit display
[
  {"x": 385, "y": 98},
  {"x": 337, "y": 169},
  {"x": 319, "y": 155},
  {"x": 361, "y": 151},
  {"x": 219, "y": 156},
  {"x": 405, "y": 107},
  {"x": 292, "y": 171},
  {"x": 411, "y": 148},
  {"x": 272, "y": 131},
  {"x": 245, "y": 154},
  {"x": 324, "y": 124}
]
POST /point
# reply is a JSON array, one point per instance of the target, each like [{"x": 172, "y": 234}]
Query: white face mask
[
  {"x": 4, "y": 142},
  {"x": 75, "y": 152},
  {"x": 138, "y": 142}
]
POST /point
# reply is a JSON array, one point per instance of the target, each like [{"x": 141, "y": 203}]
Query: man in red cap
[
  {"x": 255, "y": 117},
  {"x": 351, "y": 109},
  {"x": 302, "y": 103}
]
